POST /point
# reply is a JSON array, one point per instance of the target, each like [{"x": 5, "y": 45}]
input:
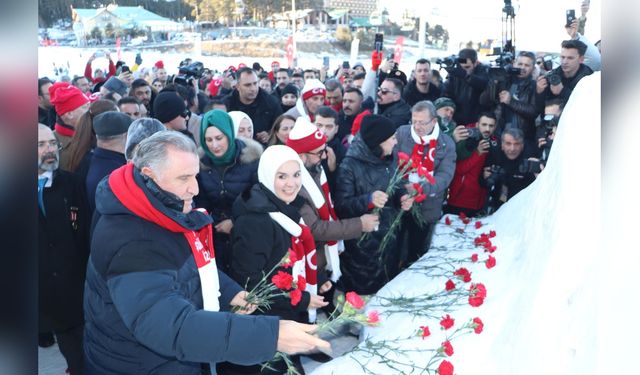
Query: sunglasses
[
  {"x": 185, "y": 113},
  {"x": 386, "y": 91}
]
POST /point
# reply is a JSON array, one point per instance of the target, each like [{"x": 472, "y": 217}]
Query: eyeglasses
[
  {"x": 386, "y": 91},
  {"x": 319, "y": 153},
  {"x": 53, "y": 144},
  {"x": 422, "y": 123}
]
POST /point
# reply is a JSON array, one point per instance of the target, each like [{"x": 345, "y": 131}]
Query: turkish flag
[
  {"x": 290, "y": 51},
  {"x": 397, "y": 49}
]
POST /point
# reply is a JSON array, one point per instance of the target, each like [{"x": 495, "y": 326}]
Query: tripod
[{"x": 508, "y": 28}]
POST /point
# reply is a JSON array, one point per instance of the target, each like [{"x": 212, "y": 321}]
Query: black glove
[{"x": 138, "y": 58}]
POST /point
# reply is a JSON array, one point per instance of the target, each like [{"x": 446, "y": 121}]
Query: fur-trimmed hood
[{"x": 249, "y": 151}]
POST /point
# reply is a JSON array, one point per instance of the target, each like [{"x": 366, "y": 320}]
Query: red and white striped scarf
[
  {"x": 324, "y": 204},
  {"x": 304, "y": 246},
  {"x": 421, "y": 157}
]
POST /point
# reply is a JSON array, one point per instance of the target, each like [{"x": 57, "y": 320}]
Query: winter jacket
[
  {"x": 63, "y": 249},
  {"x": 89, "y": 76},
  {"x": 465, "y": 190},
  {"x": 103, "y": 162},
  {"x": 219, "y": 188},
  {"x": 465, "y": 92},
  {"x": 444, "y": 168},
  {"x": 259, "y": 244},
  {"x": 568, "y": 84},
  {"x": 324, "y": 231},
  {"x": 143, "y": 298},
  {"x": 521, "y": 111},
  {"x": 398, "y": 112},
  {"x": 366, "y": 268},
  {"x": 411, "y": 94},
  {"x": 263, "y": 111}
]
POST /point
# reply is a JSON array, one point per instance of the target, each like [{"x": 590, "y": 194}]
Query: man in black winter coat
[
  {"x": 515, "y": 99},
  {"x": 351, "y": 107},
  {"x": 155, "y": 301},
  {"x": 63, "y": 248},
  {"x": 465, "y": 82},
  {"x": 421, "y": 87},
  {"x": 390, "y": 102},
  {"x": 567, "y": 75},
  {"x": 262, "y": 108}
]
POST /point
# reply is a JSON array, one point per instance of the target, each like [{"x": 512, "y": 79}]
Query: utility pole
[{"x": 293, "y": 27}]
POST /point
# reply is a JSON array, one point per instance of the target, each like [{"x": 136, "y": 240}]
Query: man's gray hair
[
  {"x": 152, "y": 152},
  {"x": 139, "y": 130},
  {"x": 424, "y": 106},
  {"x": 516, "y": 133}
]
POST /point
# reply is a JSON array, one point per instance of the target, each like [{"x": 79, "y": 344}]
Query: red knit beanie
[
  {"x": 65, "y": 97},
  {"x": 305, "y": 136},
  {"x": 313, "y": 87}
]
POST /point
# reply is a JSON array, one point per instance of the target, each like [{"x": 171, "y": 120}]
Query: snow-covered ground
[{"x": 540, "y": 311}]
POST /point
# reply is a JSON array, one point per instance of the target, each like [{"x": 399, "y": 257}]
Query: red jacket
[
  {"x": 465, "y": 190},
  {"x": 88, "y": 72}
]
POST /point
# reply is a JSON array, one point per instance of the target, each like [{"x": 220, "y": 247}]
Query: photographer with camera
[
  {"x": 512, "y": 170},
  {"x": 467, "y": 79},
  {"x": 546, "y": 130},
  {"x": 512, "y": 91},
  {"x": 560, "y": 82},
  {"x": 465, "y": 192}
]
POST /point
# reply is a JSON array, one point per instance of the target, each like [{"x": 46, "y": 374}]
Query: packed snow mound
[{"x": 540, "y": 310}]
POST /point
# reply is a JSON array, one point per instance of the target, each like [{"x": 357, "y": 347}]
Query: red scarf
[
  {"x": 64, "y": 130},
  {"x": 326, "y": 211},
  {"x": 420, "y": 158},
  {"x": 305, "y": 248},
  {"x": 127, "y": 191}
]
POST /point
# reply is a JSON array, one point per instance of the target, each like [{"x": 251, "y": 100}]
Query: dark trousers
[
  {"x": 418, "y": 239},
  {"x": 70, "y": 344}
]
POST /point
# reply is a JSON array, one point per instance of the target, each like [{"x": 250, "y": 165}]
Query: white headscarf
[{"x": 237, "y": 117}]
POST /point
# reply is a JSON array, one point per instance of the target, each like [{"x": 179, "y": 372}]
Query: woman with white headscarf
[
  {"x": 242, "y": 124},
  {"x": 267, "y": 226}
]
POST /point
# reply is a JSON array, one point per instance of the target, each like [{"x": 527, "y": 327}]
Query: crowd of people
[{"x": 164, "y": 198}]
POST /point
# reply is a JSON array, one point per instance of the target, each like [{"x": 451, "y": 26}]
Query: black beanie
[
  {"x": 376, "y": 129},
  {"x": 290, "y": 89},
  {"x": 167, "y": 106}
]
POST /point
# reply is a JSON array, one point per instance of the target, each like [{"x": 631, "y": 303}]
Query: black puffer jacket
[
  {"x": 259, "y": 243},
  {"x": 465, "y": 92},
  {"x": 219, "y": 188},
  {"x": 360, "y": 174},
  {"x": 411, "y": 94},
  {"x": 398, "y": 112},
  {"x": 263, "y": 111}
]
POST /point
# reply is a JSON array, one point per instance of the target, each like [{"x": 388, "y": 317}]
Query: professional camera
[
  {"x": 530, "y": 166},
  {"x": 450, "y": 62},
  {"x": 499, "y": 78},
  {"x": 475, "y": 136},
  {"x": 553, "y": 78},
  {"x": 497, "y": 173},
  {"x": 188, "y": 73}
]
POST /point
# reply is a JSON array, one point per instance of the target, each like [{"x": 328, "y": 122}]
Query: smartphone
[
  {"x": 99, "y": 53},
  {"x": 378, "y": 42},
  {"x": 325, "y": 61},
  {"x": 345, "y": 65},
  {"x": 571, "y": 15},
  {"x": 125, "y": 68}
]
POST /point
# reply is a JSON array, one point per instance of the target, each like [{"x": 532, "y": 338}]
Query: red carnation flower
[
  {"x": 450, "y": 285},
  {"x": 424, "y": 331},
  {"x": 296, "y": 296},
  {"x": 492, "y": 234},
  {"x": 447, "y": 220},
  {"x": 430, "y": 178},
  {"x": 474, "y": 257},
  {"x": 491, "y": 262},
  {"x": 447, "y": 322},
  {"x": 282, "y": 280},
  {"x": 462, "y": 215},
  {"x": 355, "y": 300},
  {"x": 447, "y": 348},
  {"x": 403, "y": 157},
  {"x": 478, "y": 224},
  {"x": 463, "y": 274},
  {"x": 420, "y": 198},
  {"x": 422, "y": 172},
  {"x": 477, "y": 294},
  {"x": 302, "y": 283},
  {"x": 489, "y": 247},
  {"x": 466, "y": 220},
  {"x": 289, "y": 259},
  {"x": 478, "y": 325},
  {"x": 445, "y": 368},
  {"x": 373, "y": 318}
]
